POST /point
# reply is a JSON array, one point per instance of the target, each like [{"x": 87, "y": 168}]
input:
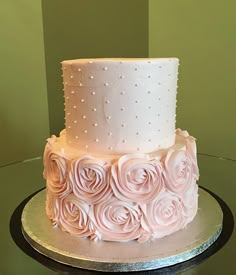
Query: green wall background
[
  {"x": 23, "y": 104},
  {"x": 84, "y": 29},
  {"x": 37, "y": 35},
  {"x": 202, "y": 34}
]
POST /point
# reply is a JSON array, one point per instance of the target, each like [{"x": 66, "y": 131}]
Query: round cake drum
[{"x": 126, "y": 256}]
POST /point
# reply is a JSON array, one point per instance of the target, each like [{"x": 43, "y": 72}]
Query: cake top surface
[{"x": 120, "y": 59}]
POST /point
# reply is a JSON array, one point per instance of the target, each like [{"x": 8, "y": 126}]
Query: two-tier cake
[{"x": 120, "y": 171}]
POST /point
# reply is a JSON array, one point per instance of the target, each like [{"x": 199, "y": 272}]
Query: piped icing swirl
[{"x": 122, "y": 197}]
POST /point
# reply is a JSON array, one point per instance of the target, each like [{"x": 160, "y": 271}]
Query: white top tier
[{"x": 117, "y": 106}]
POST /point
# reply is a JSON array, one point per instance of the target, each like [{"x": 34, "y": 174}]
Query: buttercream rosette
[
  {"x": 137, "y": 178},
  {"x": 74, "y": 218},
  {"x": 122, "y": 198},
  {"x": 90, "y": 179},
  {"x": 117, "y": 220},
  {"x": 56, "y": 164},
  {"x": 178, "y": 170},
  {"x": 164, "y": 215},
  {"x": 191, "y": 148}
]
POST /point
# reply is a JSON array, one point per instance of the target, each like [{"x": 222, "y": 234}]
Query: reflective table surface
[{"x": 21, "y": 180}]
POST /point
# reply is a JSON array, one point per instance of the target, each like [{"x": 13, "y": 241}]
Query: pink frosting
[
  {"x": 190, "y": 202},
  {"x": 90, "y": 179},
  {"x": 178, "y": 172},
  {"x": 74, "y": 217},
  {"x": 52, "y": 210},
  {"x": 165, "y": 215},
  {"x": 191, "y": 149},
  {"x": 56, "y": 169},
  {"x": 122, "y": 198},
  {"x": 136, "y": 178},
  {"x": 117, "y": 220}
]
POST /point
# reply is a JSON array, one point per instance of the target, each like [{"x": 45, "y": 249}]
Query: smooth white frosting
[{"x": 117, "y": 106}]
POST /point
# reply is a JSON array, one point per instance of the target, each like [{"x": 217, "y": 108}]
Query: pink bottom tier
[{"x": 121, "y": 198}]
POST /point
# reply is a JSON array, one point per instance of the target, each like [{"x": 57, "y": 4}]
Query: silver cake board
[{"x": 181, "y": 246}]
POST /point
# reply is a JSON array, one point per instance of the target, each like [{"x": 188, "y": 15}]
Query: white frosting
[{"x": 116, "y": 106}]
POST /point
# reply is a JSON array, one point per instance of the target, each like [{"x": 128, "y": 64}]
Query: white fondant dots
[
  {"x": 85, "y": 131},
  {"x": 71, "y": 76},
  {"x": 95, "y": 124},
  {"x": 123, "y": 125},
  {"x": 82, "y": 100},
  {"x": 79, "y": 70},
  {"x": 97, "y": 140},
  {"x": 94, "y": 109},
  {"x": 110, "y": 134},
  {"x": 108, "y": 117},
  {"x": 74, "y": 107},
  {"x": 93, "y": 93},
  {"x": 105, "y": 69},
  {"x": 76, "y": 137},
  {"x": 91, "y": 77},
  {"x": 84, "y": 117},
  {"x": 80, "y": 84},
  {"x": 75, "y": 121},
  {"x": 107, "y": 101},
  {"x": 106, "y": 84},
  {"x": 122, "y": 93}
]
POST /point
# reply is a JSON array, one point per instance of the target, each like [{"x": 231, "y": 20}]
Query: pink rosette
[
  {"x": 165, "y": 215},
  {"x": 73, "y": 217},
  {"x": 192, "y": 150},
  {"x": 117, "y": 220},
  {"x": 178, "y": 170},
  {"x": 136, "y": 178},
  {"x": 90, "y": 179},
  {"x": 56, "y": 169}
]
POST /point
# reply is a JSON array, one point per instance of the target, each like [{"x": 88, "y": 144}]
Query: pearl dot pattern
[{"x": 109, "y": 101}]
